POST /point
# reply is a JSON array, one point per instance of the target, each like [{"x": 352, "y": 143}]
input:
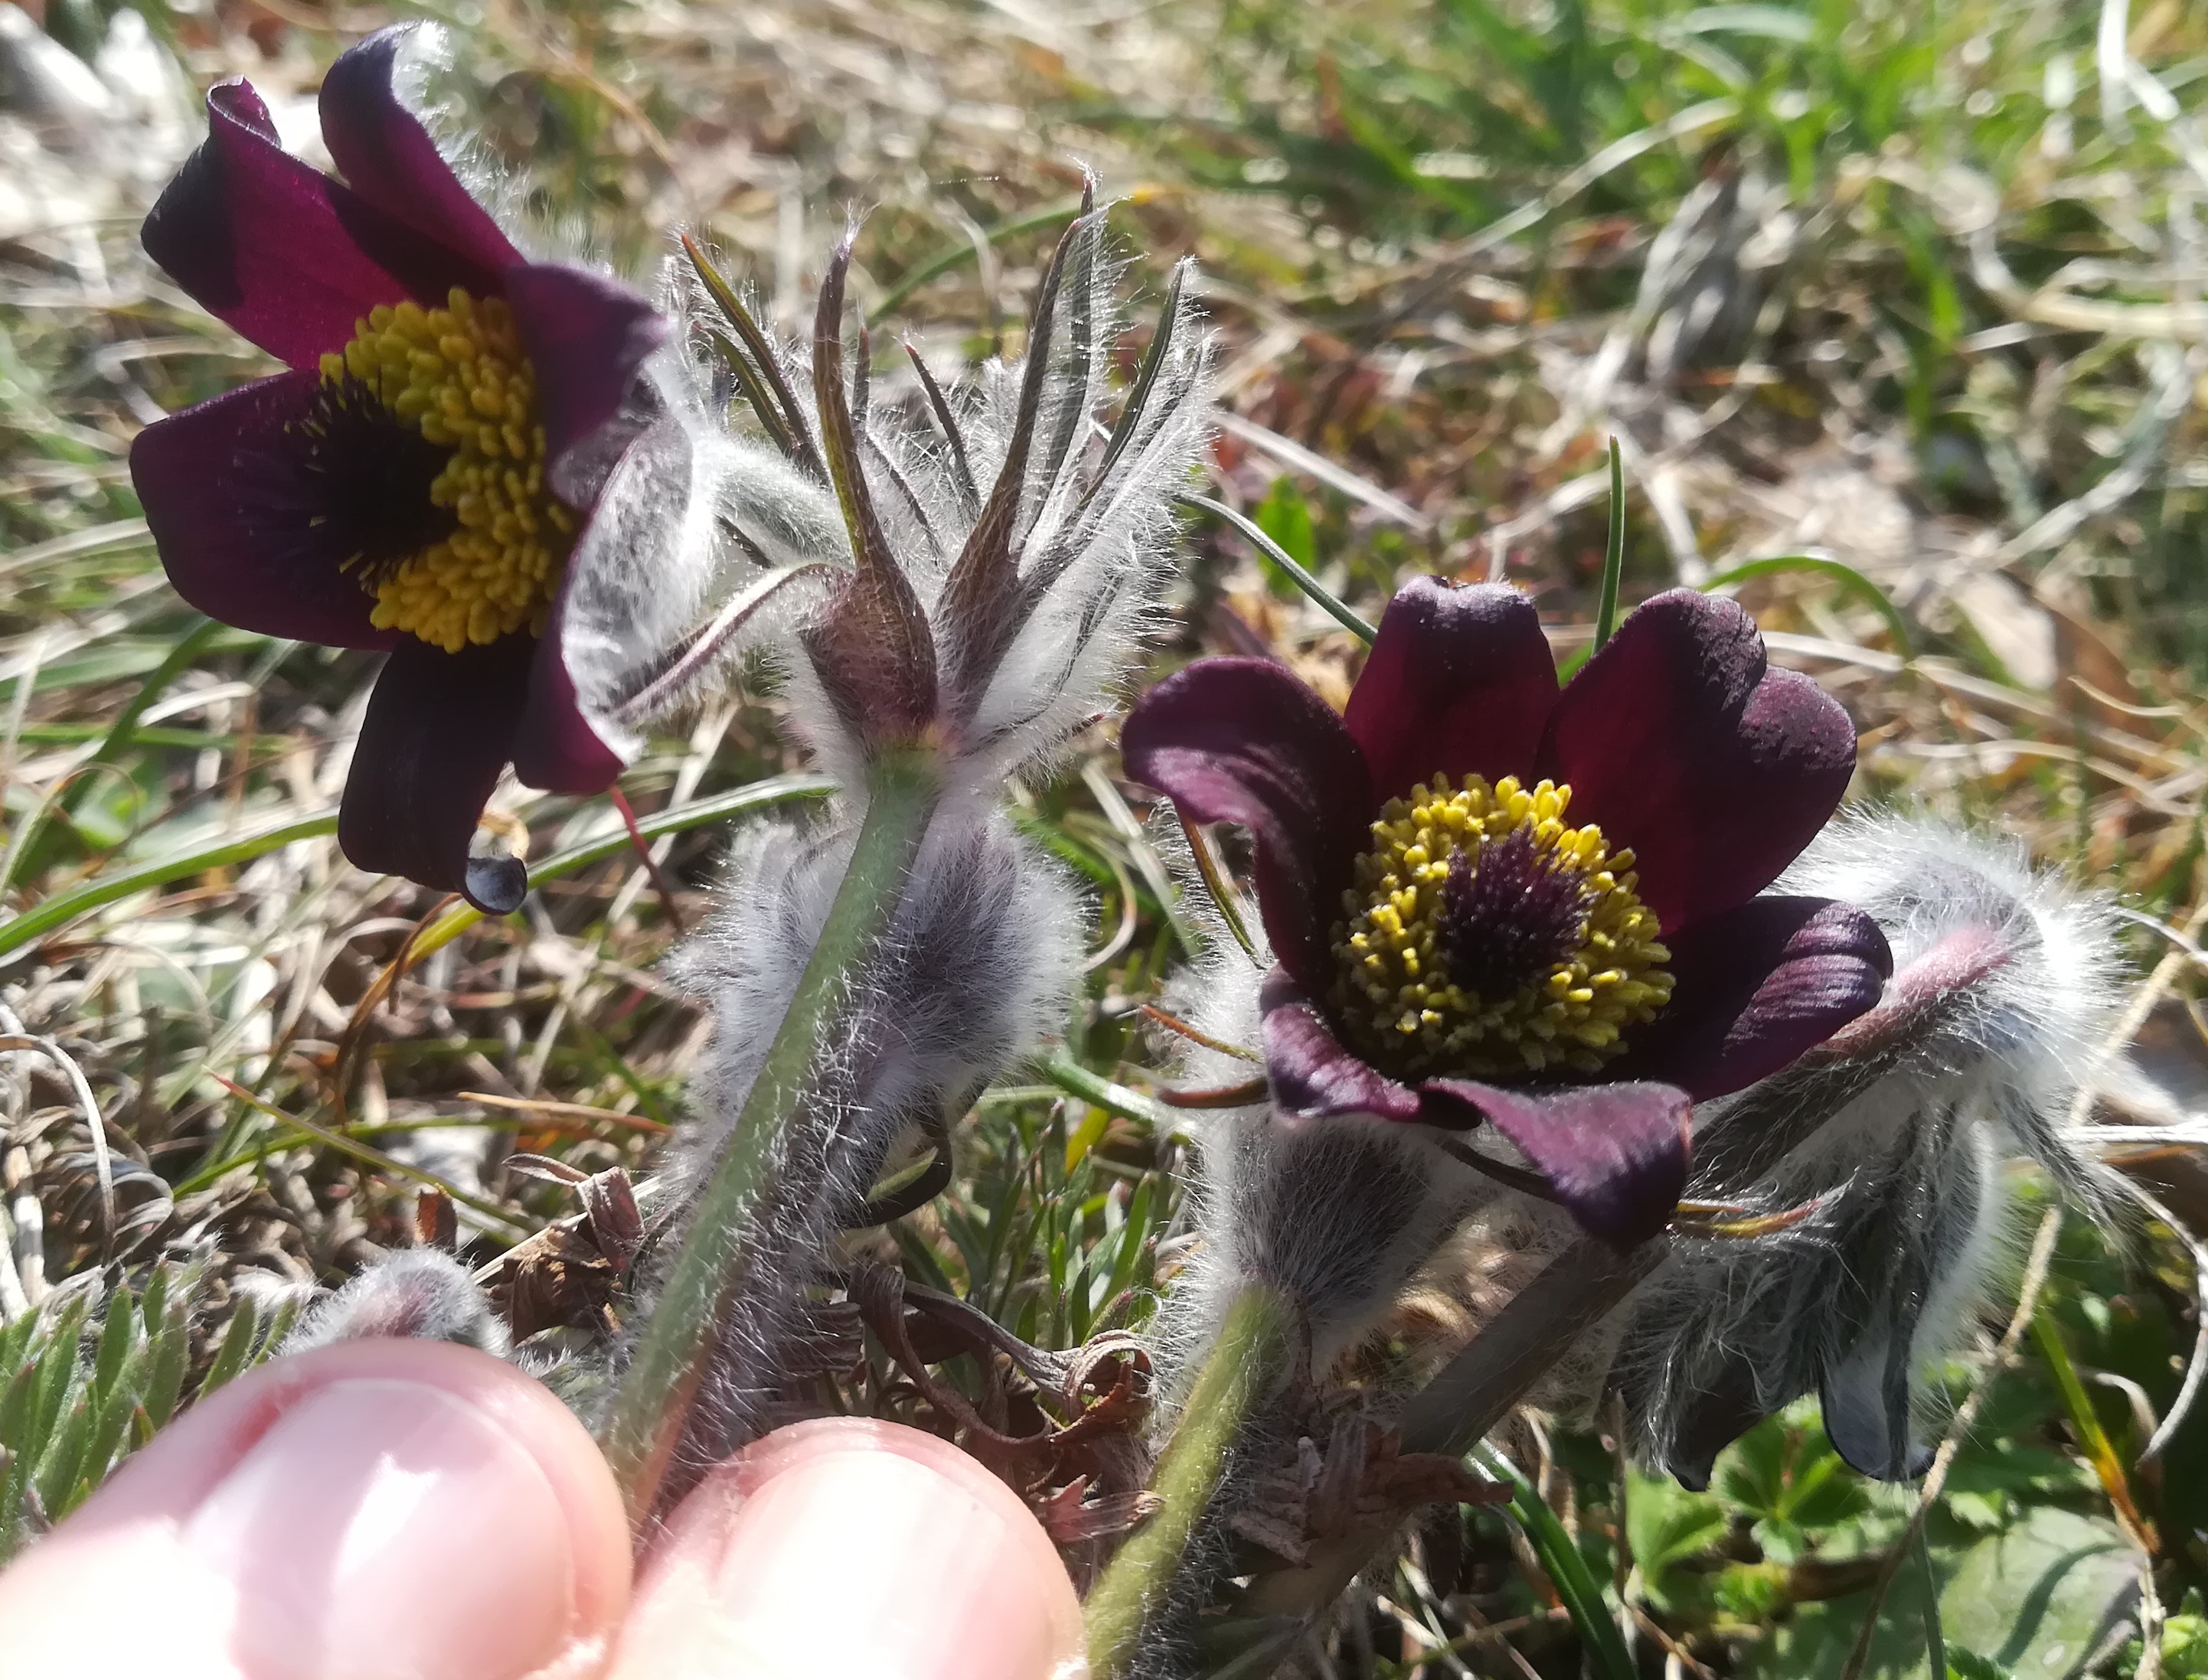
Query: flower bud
[{"x": 1894, "y": 1135}]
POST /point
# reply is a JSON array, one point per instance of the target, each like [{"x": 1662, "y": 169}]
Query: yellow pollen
[
  {"x": 458, "y": 375},
  {"x": 1596, "y": 964}
]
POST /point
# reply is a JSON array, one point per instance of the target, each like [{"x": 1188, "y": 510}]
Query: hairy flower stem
[
  {"x": 1249, "y": 1362},
  {"x": 652, "y": 1408},
  {"x": 1470, "y": 1396}
]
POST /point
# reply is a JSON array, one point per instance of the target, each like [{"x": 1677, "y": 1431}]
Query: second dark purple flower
[{"x": 1494, "y": 901}]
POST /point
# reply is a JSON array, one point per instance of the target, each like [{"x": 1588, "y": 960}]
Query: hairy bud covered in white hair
[
  {"x": 976, "y": 563},
  {"x": 1897, "y": 1131},
  {"x": 423, "y": 1293}
]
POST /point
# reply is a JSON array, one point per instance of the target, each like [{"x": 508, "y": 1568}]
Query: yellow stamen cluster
[
  {"x": 1395, "y": 997},
  {"x": 458, "y": 375}
]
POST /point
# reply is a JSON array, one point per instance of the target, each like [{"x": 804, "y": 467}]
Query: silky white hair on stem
[{"x": 958, "y": 575}]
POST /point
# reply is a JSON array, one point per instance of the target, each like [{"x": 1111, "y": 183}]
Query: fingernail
[
  {"x": 853, "y": 1547},
  {"x": 383, "y": 1527},
  {"x": 877, "y": 1555}
]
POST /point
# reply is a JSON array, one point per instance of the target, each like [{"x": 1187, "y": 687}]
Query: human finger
[
  {"x": 369, "y": 1509},
  {"x": 851, "y": 1546}
]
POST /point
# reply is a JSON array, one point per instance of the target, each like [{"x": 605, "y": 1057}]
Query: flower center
[
  {"x": 1485, "y": 937},
  {"x": 491, "y": 538}
]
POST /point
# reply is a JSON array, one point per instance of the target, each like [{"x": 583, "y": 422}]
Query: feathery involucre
[
  {"x": 2003, "y": 989},
  {"x": 1026, "y": 517}
]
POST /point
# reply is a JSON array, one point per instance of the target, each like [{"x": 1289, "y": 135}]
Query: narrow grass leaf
[
  {"x": 1823, "y": 565},
  {"x": 1560, "y": 1561},
  {"x": 1335, "y": 607},
  {"x": 1613, "y": 552}
]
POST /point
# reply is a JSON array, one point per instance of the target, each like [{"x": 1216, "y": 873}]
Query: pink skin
[{"x": 384, "y": 1508}]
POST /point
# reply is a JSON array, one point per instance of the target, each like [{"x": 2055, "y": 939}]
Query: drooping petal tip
[
  {"x": 1313, "y": 1075},
  {"x": 1615, "y": 1155},
  {"x": 438, "y": 730}
]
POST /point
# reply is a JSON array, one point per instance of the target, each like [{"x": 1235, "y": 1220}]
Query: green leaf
[
  {"x": 169, "y": 1351},
  {"x": 239, "y": 1338},
  {"x": 119, "y": 1337},
  {"x": 1964, "y": 1664},
  {"x": 56, "y": 1475},
  {"x": 58, "y": 1374},
  {"x": 1666, "y": 1524},
  {"x": 2033, "y": 1599}
]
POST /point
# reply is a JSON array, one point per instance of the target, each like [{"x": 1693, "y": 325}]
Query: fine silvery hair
[
  {"x": 716, "y": 536},
  {"x": 986, "y": 943},
  {"x": 1899, "y": 1132}
]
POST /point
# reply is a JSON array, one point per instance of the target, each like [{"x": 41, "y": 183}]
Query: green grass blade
[
  {"x": 1935, "y": 1643},
  {"x": 1613, "y": 552},
  {"x": 1095, "y": 1088},
  {"x": 57, "y": 911},
  {"x": 24, "y": 857},
  {"x": 958, "y": 255},
  {"x": 1341, "y": 611},
  {"x": 49, "y": 915},
  {"x": 1561, "y": 1560},
  {"x": 1841, "y": 573}
]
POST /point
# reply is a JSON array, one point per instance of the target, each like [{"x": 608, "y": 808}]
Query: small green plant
[{"x": 86, "y": 1378}]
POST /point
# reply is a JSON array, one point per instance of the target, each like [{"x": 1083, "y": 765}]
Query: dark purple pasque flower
[
  {"x": 1454, "y": 948},
  {"x": 416, "y": 482}
]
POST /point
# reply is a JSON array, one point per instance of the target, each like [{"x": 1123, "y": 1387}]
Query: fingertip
[
  {"x": 866, "y": 1546},
  {"x": 368, "y": 1508}
]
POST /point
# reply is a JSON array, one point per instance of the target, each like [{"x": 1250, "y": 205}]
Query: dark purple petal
[
  {"x": 1864, "y": 1394},
  {"x": 1241, "y": 740},
  {"x": 440, "y": 728},
  {"x": 1927, "y": 998},
  {"x": 277, "y": 250},
  {"x": 1679, "y": 742},
  {"x": 1459, "y": 680},
  {"x": 1313, "y": 1075},
  {"x": 1724, "y": 1407},
  {"x": 1755, "y": 988},
  {"x": 387, "y": 156},
  {"x": 556, "y": 749},
  {"x": 193, "y": 476},
  {"x": 1616, "y": 1155},
  {"x": 586, "y": 335}
]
